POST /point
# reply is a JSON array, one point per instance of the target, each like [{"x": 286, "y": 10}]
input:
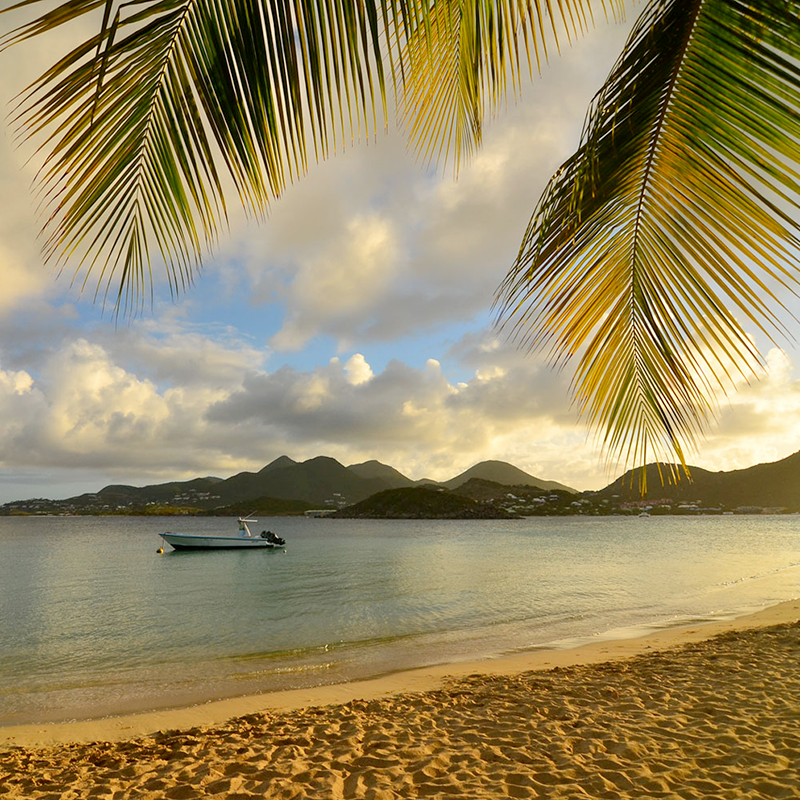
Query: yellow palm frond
[{"x": 675, "y": 221}]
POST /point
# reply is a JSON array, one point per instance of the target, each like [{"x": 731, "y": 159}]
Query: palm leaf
[
  {"x": 142, "y": 122},
  {"x": 458, "y": 69},
  {"x": 143, "y": 125},
  {"x": 675, "y": 219}
]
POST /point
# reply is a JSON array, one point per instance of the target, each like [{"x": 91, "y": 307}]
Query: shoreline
[{"x": 426, "y": 679}]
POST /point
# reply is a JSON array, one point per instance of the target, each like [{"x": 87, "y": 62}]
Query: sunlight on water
[{"x": 93, "y": 622}]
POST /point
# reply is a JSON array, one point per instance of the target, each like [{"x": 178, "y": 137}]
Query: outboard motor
[{"x": 272, "y": 538}]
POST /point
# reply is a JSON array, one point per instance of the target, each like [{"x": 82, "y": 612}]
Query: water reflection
[{"x": 93, "y": 621}]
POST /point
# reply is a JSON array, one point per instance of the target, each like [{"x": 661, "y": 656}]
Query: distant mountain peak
[
  {"x": 506, "y": 474},
  {"x": 323, "y": 460},
  {"x": 281, "y": 462}
]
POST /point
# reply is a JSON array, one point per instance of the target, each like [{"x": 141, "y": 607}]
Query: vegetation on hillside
[
  {"x": 420, "y": 502},
  {"x": 260, "y": 507}
]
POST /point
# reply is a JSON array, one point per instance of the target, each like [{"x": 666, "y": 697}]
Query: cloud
[
  {"x": 347, "y": 279},
  {"x": 22, "y": 275},
  {"x": 175, "y": 351},
  {"x": 85, "y": 411},
  {"x": 357, "y": 369},
  {"x": 97, "y": 406},
  {"x": 400, "y": 249},
  {"x": 416, "y": 419},
  {"x": 759, "y": 423},
  {"x": 20, "y": 404}
]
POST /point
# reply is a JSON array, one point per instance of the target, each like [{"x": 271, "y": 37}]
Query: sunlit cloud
[{"x": 343, "y": 283}]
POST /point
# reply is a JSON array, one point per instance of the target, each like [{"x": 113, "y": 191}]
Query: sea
[{"x": 94, "y": 622}]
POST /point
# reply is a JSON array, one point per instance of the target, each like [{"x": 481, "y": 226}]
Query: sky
[{"x": 355, "y": 322}]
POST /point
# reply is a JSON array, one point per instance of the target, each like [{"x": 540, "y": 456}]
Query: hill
[
  {"x": 420, "y": 502},
  {"x": 505, "y": 474},
  {"x": 315, "y": 481},
  {"x": 319, "y": 482},
  {"x": 374, "y": 470},
  {"x": 261, "y": 507},
  {"x": 493, "y": 492},
  {"x": 772, "y": 485},
  {"x": 289, "y": 486},
  {"x": 174, "y": 492}
]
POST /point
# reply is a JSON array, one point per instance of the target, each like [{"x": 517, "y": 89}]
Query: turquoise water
[{"x": 93, "y": 622}]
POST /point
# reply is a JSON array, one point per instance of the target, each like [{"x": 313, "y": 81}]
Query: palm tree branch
[
  {"x": 675, "y": 211},
  {"x": 134, "y": 121}
]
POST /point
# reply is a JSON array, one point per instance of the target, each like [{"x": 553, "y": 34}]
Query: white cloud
[
  {"x": 346, "y": 280},
  {"x": 23, "y": 276},
  {"x": 20, "y": 404},
  {"x": 175, "y": 351},
  {"x": 357, "y": 369},
  {"x": 759, "y": 423}
]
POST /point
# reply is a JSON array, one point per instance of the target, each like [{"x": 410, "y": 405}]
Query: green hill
[
  {"x": 374, "y": 470},
  {"x": 160, "y": 492},
  {"x": 420, "y": 502},
  {"x": 771, "y": 485},
  {"x": 261, "y": 507},
  {"x": 491, "y": 491},
  {"x": 319, "y": 482},
  {"x": 505, "y": 474},
  {"x": 325, "y": 483}
]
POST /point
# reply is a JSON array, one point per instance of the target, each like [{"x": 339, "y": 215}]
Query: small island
[{"x": 421, "y": 502}]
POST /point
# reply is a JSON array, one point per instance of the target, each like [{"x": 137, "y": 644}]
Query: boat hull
[{"x": 186, "y": 541}]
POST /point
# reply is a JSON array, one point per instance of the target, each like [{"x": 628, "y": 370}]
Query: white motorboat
[{"x": 199, "y": 541}]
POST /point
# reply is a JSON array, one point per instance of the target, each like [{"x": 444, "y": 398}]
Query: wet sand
[{"x": 672, "y": 715}]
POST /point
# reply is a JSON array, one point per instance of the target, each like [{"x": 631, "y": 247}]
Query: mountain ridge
[
  {"x": 320, "y": 481},
  {"x": 323, "y": 482},
  {"x": 773, "y": 484}
]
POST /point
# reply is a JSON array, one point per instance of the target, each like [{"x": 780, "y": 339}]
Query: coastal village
[{"x": 521, "y": 501}]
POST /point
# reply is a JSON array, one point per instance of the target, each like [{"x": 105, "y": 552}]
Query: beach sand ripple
[{"x": 715, "y": 720}]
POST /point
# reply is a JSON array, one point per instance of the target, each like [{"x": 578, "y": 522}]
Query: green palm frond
[
  {"x": 143, "y": 125},
  {"x": 676, "y": 219},
  {"x": 460, "y": 66}
]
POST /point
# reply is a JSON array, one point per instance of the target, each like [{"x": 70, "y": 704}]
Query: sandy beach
[{"x": 704, "y": 711}]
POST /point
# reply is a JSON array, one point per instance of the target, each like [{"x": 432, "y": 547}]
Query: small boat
[{"x": 198, "y": 541}]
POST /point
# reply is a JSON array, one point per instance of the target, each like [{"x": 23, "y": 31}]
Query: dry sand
[{"x": 708, "y": 719}]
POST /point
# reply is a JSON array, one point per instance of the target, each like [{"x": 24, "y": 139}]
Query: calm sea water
[{"x": 93, "y": 622}]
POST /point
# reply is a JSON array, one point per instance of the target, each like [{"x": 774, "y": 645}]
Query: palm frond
[
  {"x": 675, "y": 219},
  {"x": 459, "y": 64},
  {"x": 141, "y": 123}
]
